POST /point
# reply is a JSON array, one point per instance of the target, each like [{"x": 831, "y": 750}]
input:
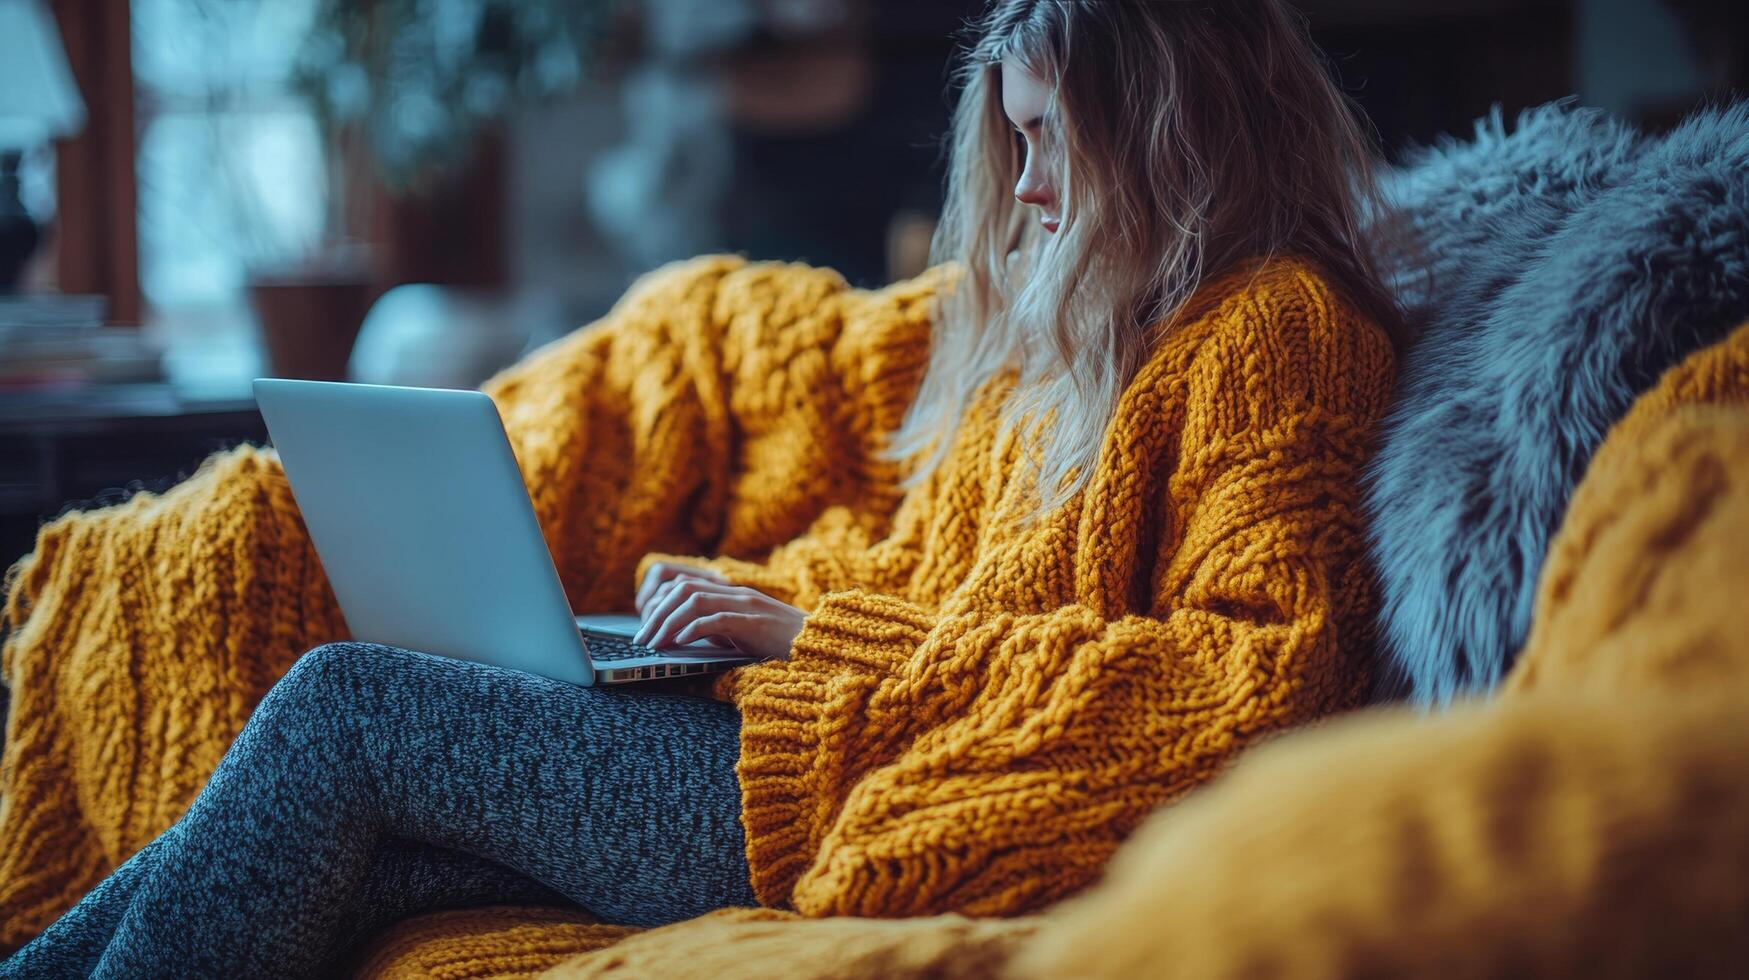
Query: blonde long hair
[{"x": 1188, "y": 138}]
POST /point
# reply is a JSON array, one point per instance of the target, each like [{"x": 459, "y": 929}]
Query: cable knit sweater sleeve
[{"x": 986, "y": 753}]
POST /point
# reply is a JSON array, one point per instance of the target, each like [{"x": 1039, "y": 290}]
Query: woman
[{"x": 1127, "y": 547}]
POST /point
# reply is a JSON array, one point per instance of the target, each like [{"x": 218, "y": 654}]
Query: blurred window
[{"x": 231, "y": 164}]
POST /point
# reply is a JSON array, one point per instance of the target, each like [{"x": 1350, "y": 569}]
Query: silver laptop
[{"x": 418, "y": 511}]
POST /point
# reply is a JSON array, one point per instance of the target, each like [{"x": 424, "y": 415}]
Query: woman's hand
[
  {"x": 663, "y": 572},
  {"x": 680, "y": 604}
]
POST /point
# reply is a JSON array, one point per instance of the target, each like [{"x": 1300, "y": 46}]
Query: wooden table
[{"x": 100, "y": 443}]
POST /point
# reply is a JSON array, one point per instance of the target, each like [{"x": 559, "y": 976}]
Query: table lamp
[{"x": 38, "y": 102}]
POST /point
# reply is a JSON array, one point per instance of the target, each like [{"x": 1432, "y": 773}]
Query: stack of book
[{"x": 51, "y": 340}]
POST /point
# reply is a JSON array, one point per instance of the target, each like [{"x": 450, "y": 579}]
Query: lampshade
[{"x": 38, "y": 100}]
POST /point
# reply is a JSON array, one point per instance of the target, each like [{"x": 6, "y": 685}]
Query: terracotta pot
[{"x": 308, "y": 325}]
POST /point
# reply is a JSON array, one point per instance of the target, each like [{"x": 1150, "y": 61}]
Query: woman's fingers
[
  {"x": 659, "y": 574},
  {"x": 663, "y": 572},
  {"x": 662, "y": 603},
  {"x": 735, "y": 627},
  {"x": 683, "y": 608},
  {"x": 682, "y": 600},
  {"x": 765, "y": 632}
]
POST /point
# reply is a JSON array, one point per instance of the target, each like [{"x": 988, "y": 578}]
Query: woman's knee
[
  {"x": 327, "y": 667},
  {"x": 348, "y": 677},
  {"x": 323, "y": 687}
]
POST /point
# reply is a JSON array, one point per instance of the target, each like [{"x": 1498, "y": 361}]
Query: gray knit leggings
[{"x": 373, "y": 783}]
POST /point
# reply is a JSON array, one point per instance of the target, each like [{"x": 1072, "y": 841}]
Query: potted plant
[{"x": 409, "y": 94}]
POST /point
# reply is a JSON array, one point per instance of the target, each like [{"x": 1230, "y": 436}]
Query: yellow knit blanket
[{"x": 142, "y": 635}]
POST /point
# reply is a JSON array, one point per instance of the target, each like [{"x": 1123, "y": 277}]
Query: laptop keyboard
[{"x": 605, "y": 648}]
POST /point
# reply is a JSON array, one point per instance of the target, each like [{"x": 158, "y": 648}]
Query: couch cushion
[
  {"x": 1651, "y": 551},
  {"x": 497, "y": 942}
]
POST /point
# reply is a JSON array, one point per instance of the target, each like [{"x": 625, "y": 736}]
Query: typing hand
[
  {"x": 680, "y": 604},
  {"x": 664, "y": 572}
]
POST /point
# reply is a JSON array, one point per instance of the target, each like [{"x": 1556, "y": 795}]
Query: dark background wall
[{"x": 1418, "y": 70}]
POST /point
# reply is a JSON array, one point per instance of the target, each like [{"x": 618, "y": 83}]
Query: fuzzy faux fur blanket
[{"x": 1575, "y": 259}]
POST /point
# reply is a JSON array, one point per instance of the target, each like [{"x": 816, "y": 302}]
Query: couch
[{"x": 1564, "y": 791}]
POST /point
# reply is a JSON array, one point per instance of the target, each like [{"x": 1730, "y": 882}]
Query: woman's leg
[
  {"x": 624, "y": 803},
  {"x": 72, "y": 944},
  {"x": 406, "y": 878}
]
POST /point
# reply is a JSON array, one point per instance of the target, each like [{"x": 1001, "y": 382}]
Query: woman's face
[{"x": 1024, "y": 96}]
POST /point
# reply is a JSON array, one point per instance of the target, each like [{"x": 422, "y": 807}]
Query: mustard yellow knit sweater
[{"x": 974, "y": 717}]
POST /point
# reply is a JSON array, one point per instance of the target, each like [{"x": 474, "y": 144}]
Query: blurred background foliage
[{"x": 420, "y": 77}]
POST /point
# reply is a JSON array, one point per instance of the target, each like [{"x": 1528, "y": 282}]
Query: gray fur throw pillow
[{"x": 1574, "y": 260}]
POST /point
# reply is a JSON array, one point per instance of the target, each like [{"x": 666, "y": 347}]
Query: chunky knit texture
[
  {"x": 497, "y": 942},
  {"x": 1586, "y": 823},
  {"x": 719, "y": 407},
  {"x": 975, "y": 715},
  {"x": 1617, "y": 607}
]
